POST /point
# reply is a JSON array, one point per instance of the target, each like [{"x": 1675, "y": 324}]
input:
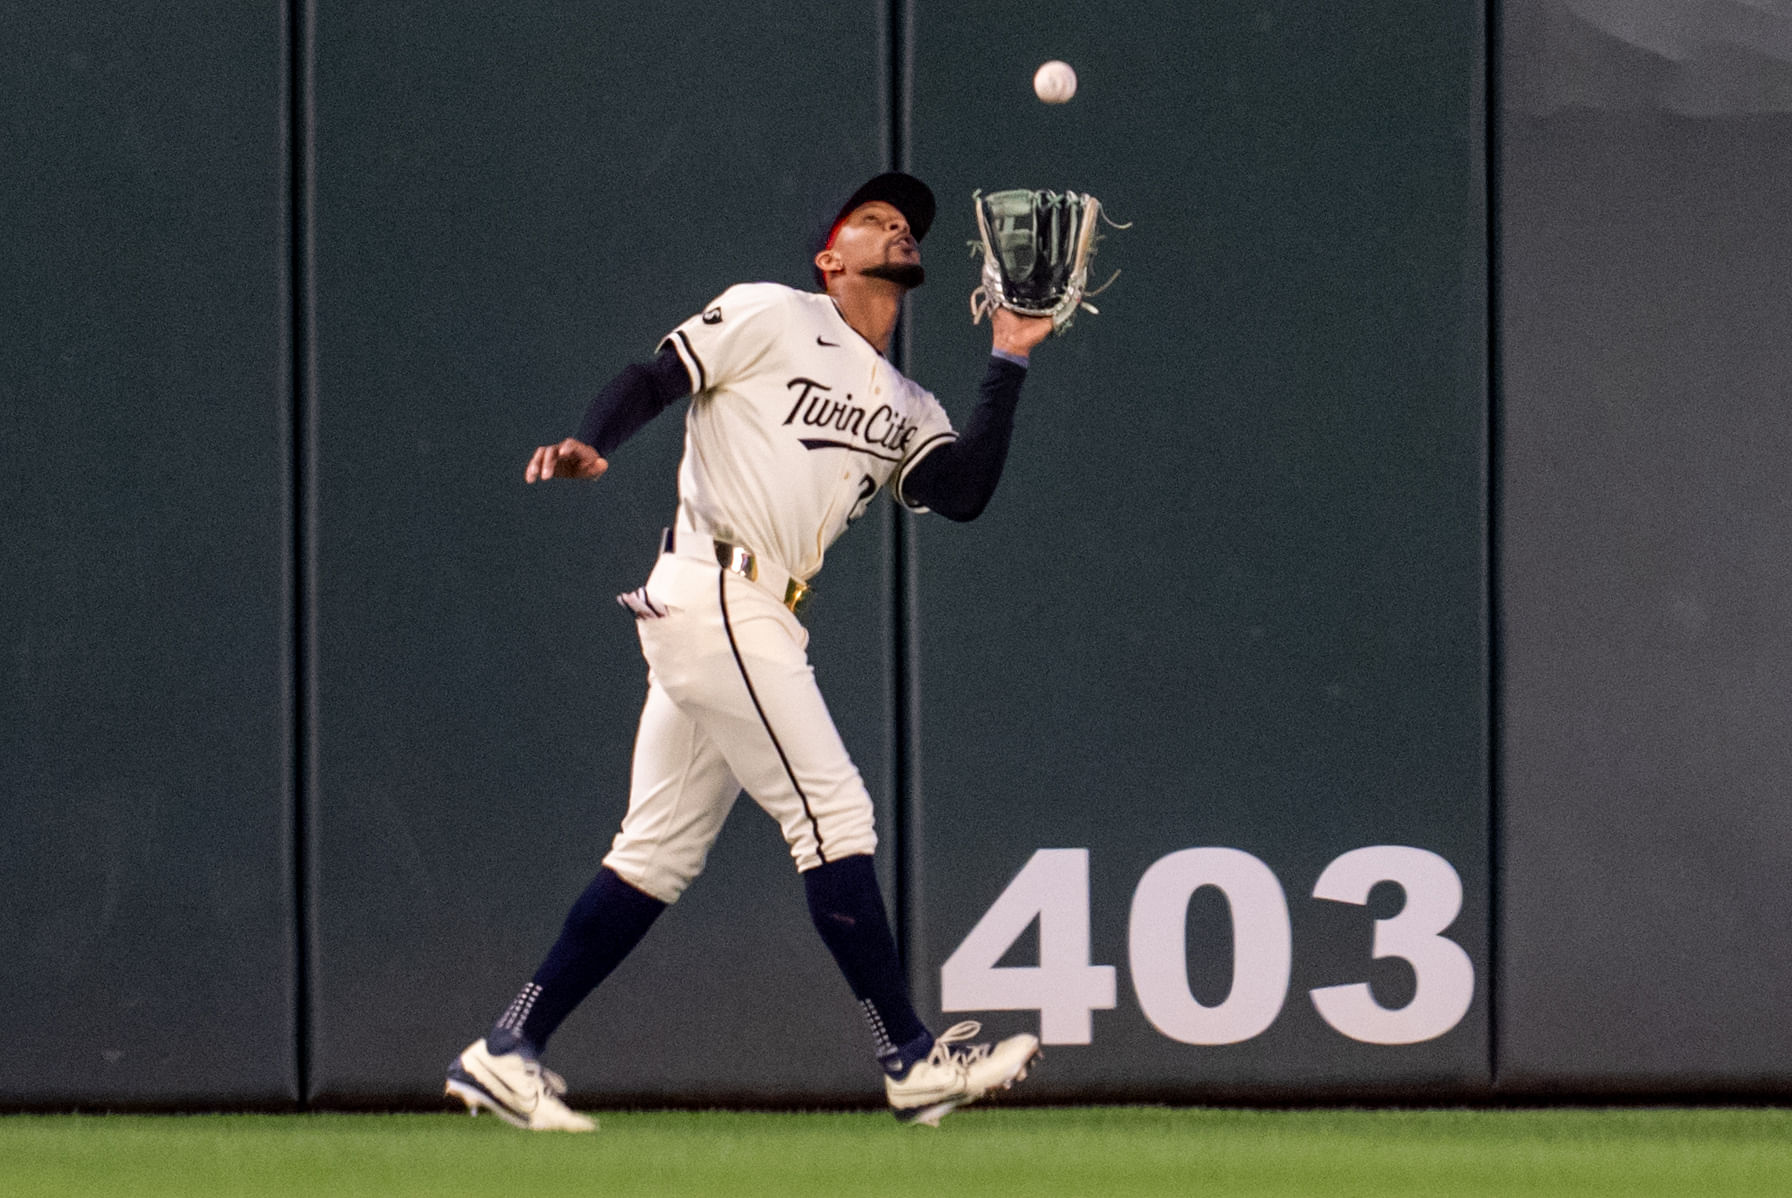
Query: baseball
[{"x": 1054, "y": 82}]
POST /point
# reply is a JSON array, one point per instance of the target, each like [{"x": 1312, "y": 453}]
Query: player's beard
[{"x": 904, "y": 274}]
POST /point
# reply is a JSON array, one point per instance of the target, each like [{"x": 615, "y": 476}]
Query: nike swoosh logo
[
  {"x": 517, "y": 1096},
  {"x": 829, "y": 344}
]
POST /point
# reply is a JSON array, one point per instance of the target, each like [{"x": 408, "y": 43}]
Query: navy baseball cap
[{"x": 905, "y": 193}]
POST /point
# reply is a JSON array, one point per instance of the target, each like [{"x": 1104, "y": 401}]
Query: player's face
[{"x": 875, "y": 240}]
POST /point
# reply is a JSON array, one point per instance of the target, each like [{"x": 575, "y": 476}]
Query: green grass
[{"x": 1093, "y": 1151}]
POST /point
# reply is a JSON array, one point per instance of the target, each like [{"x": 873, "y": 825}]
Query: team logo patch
[{"x": 713, "y": 316}]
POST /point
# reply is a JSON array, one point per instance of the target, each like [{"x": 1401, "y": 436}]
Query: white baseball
[{"x": 1054, "y": 82}]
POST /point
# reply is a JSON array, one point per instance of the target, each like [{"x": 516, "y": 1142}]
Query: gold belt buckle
[{"x": 740, "y": 561}]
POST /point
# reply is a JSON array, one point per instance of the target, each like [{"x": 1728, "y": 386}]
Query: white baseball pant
[{"x": 731, "y": 704}]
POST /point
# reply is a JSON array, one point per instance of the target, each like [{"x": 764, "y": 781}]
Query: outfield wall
[
  {"x": 147, "y": 927},
  {"x": 1646, "y": 572},
  {"x": 508, "y": 210},
  {"x": 1306, "y": 719},
  {"x": 1224, "y": 627}
]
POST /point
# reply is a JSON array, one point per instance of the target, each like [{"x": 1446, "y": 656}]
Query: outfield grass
[{"x": 1092, "y": 1151}]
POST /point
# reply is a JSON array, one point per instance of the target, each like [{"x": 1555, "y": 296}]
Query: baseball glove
[{"x": 1037, "y": 246}]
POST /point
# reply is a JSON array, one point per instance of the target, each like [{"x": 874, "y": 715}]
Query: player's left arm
[
  {"x": 957, "y": 479},
  {"x": 1012, "y": 333}
]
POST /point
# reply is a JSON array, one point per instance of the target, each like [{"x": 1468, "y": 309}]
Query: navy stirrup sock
[
  {"x": 848, "y": 910},
  {"x": 605, "y": 924}
]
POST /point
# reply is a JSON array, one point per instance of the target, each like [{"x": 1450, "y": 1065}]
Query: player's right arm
[
  {"x": 570, "y": 458},
  {"x": 641, "y": 392},
  {"x": 724, "y": 340}
]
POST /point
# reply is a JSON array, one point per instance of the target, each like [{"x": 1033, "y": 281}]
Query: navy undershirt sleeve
[
  {"x": 631, "y": 399},
  {"x": 957, "y": 479}
]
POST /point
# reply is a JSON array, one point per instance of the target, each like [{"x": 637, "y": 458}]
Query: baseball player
[{"x": 796, "y": 421}]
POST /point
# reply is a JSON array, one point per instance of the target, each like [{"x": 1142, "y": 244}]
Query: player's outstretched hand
[
  {"x": 572, "y": 458},
  {"x": 1017, "y": 334}
]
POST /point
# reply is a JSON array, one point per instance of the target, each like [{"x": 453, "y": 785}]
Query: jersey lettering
[
  {"x": 880, "y": 427},
  {"x": 782, "y": 376}
]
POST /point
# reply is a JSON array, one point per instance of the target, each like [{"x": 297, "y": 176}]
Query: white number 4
[{"x": 1064, "y": 988}]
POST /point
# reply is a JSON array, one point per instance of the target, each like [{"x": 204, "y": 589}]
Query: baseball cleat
[
  {"x": 952, "y": 1076},
  {"x": 513, "y": 1087}
]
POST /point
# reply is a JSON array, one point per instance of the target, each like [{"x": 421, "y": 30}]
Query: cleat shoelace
[
  {"x": 553, "y": 1082},
  {"x": 945, "y": 1051},
  {"x": 548, "y": 1081}
]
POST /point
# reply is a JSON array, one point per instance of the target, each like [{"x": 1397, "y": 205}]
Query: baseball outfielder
[{"x": 796, "y": 421}]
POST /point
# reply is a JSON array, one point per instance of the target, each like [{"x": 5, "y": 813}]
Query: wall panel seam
[
  {"x": 898, "y": 16},
  {"x": 1490, "y": 176},
  {"x": 301, "y": 145}
]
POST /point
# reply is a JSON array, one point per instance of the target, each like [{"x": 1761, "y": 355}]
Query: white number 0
[
  {"x": 1065, "y": 988},
  {"x": 1262, "y": 940}
]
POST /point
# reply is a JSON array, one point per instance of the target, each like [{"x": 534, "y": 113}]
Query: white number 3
[{"x": 1446, "y": 977}]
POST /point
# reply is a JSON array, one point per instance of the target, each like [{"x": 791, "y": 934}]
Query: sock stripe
[
  {"x": 880, "y": 1035},
  {"x": 517, "y": 1013}
]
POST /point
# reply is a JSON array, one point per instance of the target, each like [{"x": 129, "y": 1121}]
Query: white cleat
[
  {"x": 952, "y": 1076},
  {"x": 515, "y": 1088}
]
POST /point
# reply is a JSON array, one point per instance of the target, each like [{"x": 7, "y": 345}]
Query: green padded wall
[
  {"x": 511, "y": 206},
  {"x": 146, "y": 915},
  {"x": 1232, "y": 593},
  {"x": 1644, "y": 561}
]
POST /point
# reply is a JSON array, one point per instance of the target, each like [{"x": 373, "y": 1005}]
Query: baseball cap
[{"x": 905, "y": 193}]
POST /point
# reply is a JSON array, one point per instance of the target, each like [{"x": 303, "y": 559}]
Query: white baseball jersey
[{"x": 795, "y": 423}]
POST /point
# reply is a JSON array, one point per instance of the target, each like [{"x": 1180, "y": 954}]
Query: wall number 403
[{"x": 1065, "y": 987}]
